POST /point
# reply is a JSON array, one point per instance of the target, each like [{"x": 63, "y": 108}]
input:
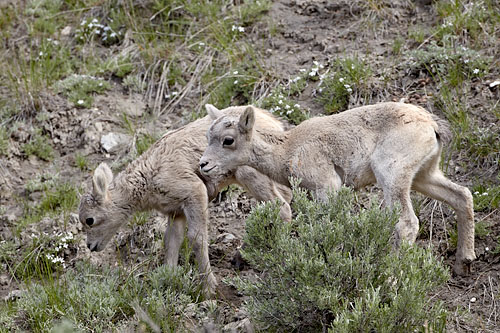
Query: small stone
[
  {"x": 13, "y": 295},
  {"x": 4, "y": 280},
  {"x": 473, "y": 300},
  {"x": 112, "y": 142},
  {"x": 239, "y": 326},
  {"x": 226, "y": 237},
  {"x": 98, "y": 127},
  {"x": 66, "y": 31}
]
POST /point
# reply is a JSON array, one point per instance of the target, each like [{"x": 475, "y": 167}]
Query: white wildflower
[
  {"x": 476, "y": 71},
  {"x": 466, "y": 61},
  {"x": 235, "y": 82},
  {"x": 112, "y": 35},
  {"x": 94, "y": 20},
  {"x": 302, "y": 70},
  {"x": 80, "y": 102},
  {"x": 296, "y": 106},
  {"x": 287, "y": 106},
  {"x": 289, "y": 112},
  {"x": 235, "y": 72},
  {"x": 341, "y": 80},
  {"x": 280, "y": 102}
]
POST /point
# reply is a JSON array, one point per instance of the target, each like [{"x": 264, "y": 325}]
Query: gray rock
[
  {"x": 112, "y": 142},
  {"x": 239, "y": 326}
]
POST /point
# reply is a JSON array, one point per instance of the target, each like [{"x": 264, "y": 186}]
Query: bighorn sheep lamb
[
  {"x": 166, "y": 178},
  {"x": 394, "y": 144}
]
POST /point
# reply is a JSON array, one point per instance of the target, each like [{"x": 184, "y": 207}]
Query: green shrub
[
  {"x": 44, "y": 256},
  {"x": 39, "y": 145},
  {"x": 105, "y": 299},
  {"x": 345, "y": 78},
  {"x": 486, "y": 198},
  {"x": 333, "y": 267},
  {"x": 80, "y": 88},
  {"x": 451, "y": 63}
]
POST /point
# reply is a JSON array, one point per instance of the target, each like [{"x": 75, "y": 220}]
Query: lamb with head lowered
[
  {"x": 395, "y": 145},
  {"x": 166, "y": 177}
]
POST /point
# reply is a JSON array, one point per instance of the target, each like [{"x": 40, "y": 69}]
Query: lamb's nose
[{"x": 203, "y": 164}]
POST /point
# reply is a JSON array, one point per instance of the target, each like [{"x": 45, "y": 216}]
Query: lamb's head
[
  {"x": 98, "y": 213},
  {"x": 229, "y": 143}
]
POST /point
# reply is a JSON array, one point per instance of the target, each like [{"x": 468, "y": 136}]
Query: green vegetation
[
  {"x": 81, "y": 162},
  {"x": 347, "y": 77},
  {"x": 39, "y": 145},
  {"x": 79, "y": 89},
  {"x": 58, "y": 198},
  {"x": 102, "y": 299},
  {"x": 333, "y": 267},
  {"x": 4, "y": 141}
]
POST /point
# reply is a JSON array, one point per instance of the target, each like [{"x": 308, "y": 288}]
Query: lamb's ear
[
  {"x": 103, "y": 176},
  {"x": 212, "y": 111},
  {"x": 247, "y": 119}
]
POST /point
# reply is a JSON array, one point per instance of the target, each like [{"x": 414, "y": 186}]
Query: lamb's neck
[
  {"x": 129, "y": 191},
  {"x": 269, "y": 155}
]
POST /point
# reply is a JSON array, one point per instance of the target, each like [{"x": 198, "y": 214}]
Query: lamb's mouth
[{"x": 206, "y": 171}]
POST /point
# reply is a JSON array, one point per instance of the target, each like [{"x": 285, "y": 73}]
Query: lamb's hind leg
[
  {"x": 196, "y": 211},
  {"x": 174, "y": 235},
  {"x": 396, "y": 188},
  {"x": 431, "y": 181}
]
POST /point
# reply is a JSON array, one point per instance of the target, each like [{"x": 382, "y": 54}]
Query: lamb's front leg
[
  {"x": 316, "y": 172},
  {"x": 196, "y": 211},
  {"x": 174, "y": 235}
]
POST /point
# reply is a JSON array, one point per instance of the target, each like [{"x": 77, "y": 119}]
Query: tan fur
[
  {"x": 166, "y": 178},
  {"x": 396, "y": 145}
]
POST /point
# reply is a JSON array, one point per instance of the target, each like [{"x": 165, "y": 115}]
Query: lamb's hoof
[
  {"x": 462, "y": 267},
  {"x": 238, "y": 262}
]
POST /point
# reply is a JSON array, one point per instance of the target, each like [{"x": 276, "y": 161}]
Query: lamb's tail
[{"x": 443, "y": 131}]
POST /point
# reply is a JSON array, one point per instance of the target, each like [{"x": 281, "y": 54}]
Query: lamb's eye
[
  {"x": 89, "y": 221},
  {"x": 227, "y": 142}
]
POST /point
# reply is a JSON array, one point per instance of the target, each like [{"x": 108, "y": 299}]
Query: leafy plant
[
  {"x": 44, "y": 256},
  {"x": 486, "y": 197},
  {"x": 79, "y": 88},
  {"x": 81, "y": 162},
  {"x": 345, "y": 77},
  {"x": 100, "y": 299},
  {"x": 39, "y": 145},
  {"x": 333, "y": 267}
]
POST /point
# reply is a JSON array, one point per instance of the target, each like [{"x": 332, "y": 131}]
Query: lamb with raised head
[
  {"x": 394, "y": 144},
  {"x": 166, "y": 178}
]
